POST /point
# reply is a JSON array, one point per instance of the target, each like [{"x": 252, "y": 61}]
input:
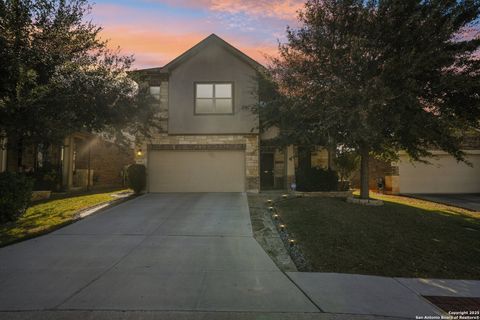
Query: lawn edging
[
  {"x": 291, "y": 244},
  {"x": 78, "y": 215},
  {"x": 266, "y": 234},
  {"x": 365, "y": 202},
  {"x": 329, "y": 194},
  {"x": 83, "y": 213}
]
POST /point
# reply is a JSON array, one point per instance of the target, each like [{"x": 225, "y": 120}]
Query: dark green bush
[
  {"x": 317, "y": 179},
  {"x": 46, "y": 178},
  {"x": 137, "y": 177},
  {"x": 15, "y": 195}
]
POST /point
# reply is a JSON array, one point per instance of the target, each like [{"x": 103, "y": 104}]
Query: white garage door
[
  {"x": 196, "y": 171},
  {"x": 445, "y": 175}
]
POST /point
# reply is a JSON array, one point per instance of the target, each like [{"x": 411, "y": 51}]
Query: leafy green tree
[
  {"x": 381, "y": 76},
  {"x": 57, "y": 76},
  {"x": 346, "y": 163}
]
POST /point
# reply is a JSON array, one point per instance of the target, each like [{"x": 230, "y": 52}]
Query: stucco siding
[{"x": 212, "y": 64}]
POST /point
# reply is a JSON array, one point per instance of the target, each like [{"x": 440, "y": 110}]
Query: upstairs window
[
  {"x": 155, "y": 92},
  {"x": 213, "y": 98}
]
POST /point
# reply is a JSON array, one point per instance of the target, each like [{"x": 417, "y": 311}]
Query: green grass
[
  {"x": 49, "y": 215},
  {"x": 405, "y": 237}
]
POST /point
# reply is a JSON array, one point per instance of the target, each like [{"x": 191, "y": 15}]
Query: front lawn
[
  {"x": 49, "y": 215},
  {"x": 405, "y": 237}
]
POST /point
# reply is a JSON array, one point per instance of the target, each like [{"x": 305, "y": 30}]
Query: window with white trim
[{"x": 213, "y": 98}]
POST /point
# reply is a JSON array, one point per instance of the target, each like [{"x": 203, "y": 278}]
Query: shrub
[
  {"x": 15, "y": 195},
  {"x": 317, "y": 179},
  {"x": 46, "y": 178},
  {"x": 137, "y": 177}
]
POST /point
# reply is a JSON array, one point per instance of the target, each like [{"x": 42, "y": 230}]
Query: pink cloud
[
  {"x": 283, "y": 9},
  {"x": 156, "y": 37},
  {"x": 154, "y": 48}
]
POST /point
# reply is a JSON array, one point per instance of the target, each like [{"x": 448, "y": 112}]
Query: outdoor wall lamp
[{"x": 139, "y": 152}]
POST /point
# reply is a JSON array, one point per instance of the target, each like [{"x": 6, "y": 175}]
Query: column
[{"x": 290, "y": 166}]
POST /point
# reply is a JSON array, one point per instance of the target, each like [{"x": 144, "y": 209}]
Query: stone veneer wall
[{"x": 251, "y": 143}]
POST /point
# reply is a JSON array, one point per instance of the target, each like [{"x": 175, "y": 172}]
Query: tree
[
  {"x": 57, "y": 76},
  {"x": 346, "y": 162},
  {"x": 381, "y": 76}
]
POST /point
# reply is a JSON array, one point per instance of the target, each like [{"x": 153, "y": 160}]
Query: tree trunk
[{"x": 364, "y": 191}]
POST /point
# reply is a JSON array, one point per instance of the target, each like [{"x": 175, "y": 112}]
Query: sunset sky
[{"x": 156, "y": 31}]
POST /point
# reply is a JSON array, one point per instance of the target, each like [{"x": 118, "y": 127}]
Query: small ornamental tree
[{"x": 380, "y": 76}]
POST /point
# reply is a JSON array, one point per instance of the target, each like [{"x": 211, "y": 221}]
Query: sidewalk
[{"x": 380, "y": 296}]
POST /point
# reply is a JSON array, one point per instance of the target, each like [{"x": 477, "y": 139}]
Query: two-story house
[{"x": 209, "y": 141}]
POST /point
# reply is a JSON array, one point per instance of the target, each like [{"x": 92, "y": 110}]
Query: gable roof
[{"x": 211, "y": 39}]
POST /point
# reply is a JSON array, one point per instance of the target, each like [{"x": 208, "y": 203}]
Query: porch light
[{"x": 139, "y": 152}]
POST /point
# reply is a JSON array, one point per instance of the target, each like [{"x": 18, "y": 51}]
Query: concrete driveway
[
  {"x": 157, "y": 252},
  {"x": 469, "y": 201}
]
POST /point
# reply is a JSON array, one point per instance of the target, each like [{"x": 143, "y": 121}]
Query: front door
[{"x": 266, "y": 171}]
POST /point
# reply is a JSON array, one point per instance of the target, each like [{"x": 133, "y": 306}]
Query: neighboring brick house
[{"x": 81, "y": 155}]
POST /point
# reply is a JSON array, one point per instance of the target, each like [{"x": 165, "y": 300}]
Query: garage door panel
[
  {"x": 196, "y": 171},
  {"x": 444, "y": 175}
]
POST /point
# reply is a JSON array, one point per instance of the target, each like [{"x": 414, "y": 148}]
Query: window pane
[
  {"x": 155, "y": 92},
  {"x": 204, "y": 106},
  {"x": 204, "y": 90},
  {"x": 223, "y": 90},
  {"x": 223, "y": 106}
]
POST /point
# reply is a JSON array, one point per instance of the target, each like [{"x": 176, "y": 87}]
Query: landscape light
[
  {"x": 275, "y": 216},
  {"x": 292, "y": 242},
  {"x": 285, "y": 196},
  {"x": 270, "y": 208},
  {"x": 269, "y": 201},
  {"x": 282, "y": 226}
]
